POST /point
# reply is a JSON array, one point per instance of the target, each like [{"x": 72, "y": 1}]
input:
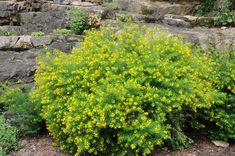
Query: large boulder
[{"x": 157, "y": 9}]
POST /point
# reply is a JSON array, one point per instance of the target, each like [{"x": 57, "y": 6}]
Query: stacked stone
[{"x": 67, "y": 2}]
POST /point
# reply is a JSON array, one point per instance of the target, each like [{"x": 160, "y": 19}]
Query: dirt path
[{"x": 42, "y": 146}]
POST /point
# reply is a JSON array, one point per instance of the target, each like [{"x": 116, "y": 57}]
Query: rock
[
  {"x": 155, "y": 8},
  {"x": 17, "y": 66},
  {"x": 176, "y": 22},
  {"x": 23, "y": 43},
  {"x": 220, "y": 143},
  {"x": 5, "y": 42},
  {"x": 41, "y": 21},
  {"x": 8, "y": 42},
  {"x": 40, "y": 41},
  {"x": 206, "y": 38},
  {"x": 86, "y": 4},
  {"x": 65, "y": 2},
  {"x": 187, "y": 21},
  {"x": 93, "y": 1}
]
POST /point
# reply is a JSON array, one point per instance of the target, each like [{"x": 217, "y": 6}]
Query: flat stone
[
  {"x": 65, "y": 2},
  {"x": 5, "y": 42},
  {"x": 40, "y": 41},
  {"x": 187, "y": 20},
  {"x": 23, "y": 43},
  {"x": 176, "y": 22},
  {"x": 220, "y": 143}
]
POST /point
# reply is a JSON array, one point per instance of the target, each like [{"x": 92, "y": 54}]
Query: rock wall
[
  {"x": 27, "y": 18},
  {"x": 18, "y": 57}
]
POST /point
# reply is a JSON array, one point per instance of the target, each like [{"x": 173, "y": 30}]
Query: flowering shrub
[
  {"x": 123, "y": 92},
  {"x": 221, "y": 116}
]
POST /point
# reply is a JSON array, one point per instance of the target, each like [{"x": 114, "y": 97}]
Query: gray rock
[
  {"x": 176, "y": 22},
  {"x": 207, "y": 38},
  {"x": 220, "y": 143},
  {"x": 23, "y": 43},
  {"x": 8, "y": 42},
  {"x": 187, "y": 21},
  {"x": 17, "y": 66},
  {"x": 65, "y": 2},
  {"x": 5, "y": 42},
  {"x": 40, "y": 41},
  {"x": 156, "y": 8}
]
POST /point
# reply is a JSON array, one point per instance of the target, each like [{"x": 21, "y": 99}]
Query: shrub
[
  {"x": 77, "y": 20},
  {"x": 225, "y": 12},
  {"x": 8, "y": 137},
  {"x": 123, "y": 93},
  {"x": 221, "y": 116},
  {"x": 38, "y": 33},
  {"x": 22, "y": 112},
  {"x": 226, "y": 15}
]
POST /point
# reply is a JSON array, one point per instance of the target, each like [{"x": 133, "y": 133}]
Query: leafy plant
[
  {"x": 23, "y": 113},
  {"x": 225, "y": 14},
  {"x": 111, "y": 4},
  {"x": 94, "y": 21},
  {"x": 77, "y": 20},
  {"x": 5, "y": 32},
  {"x": 123, "y": 93},
  {"x": 205, "y": 7},
  {"x": 8, "y": 137},
  {"x": 38, "y": 33},
  {"x": 62, "y": 32},
  {"x": 221, "y": 116}
]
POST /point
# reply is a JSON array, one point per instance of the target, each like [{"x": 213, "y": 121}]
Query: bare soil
[{"x": 42, "y": 146}]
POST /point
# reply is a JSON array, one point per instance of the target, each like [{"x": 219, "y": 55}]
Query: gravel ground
[{"x": 42, "y": 146}]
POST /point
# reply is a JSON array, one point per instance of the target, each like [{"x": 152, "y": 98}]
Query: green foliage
[
  {"x": 8, "y": 137},
  {"x": 112, "y": 5},
  {"x": 24, "y": 114},
  {"x": 4, "y": 32},
  {"x": 123, "y": 93},
  {"x": 225, "y": 13},
  {"x": 205, "y": 7},
  {"x": 77, "y": 20},
  {"x": 62, "y": 32},
  {"x": 222, "y": 114},
  {"x": 38, "y": 33}
]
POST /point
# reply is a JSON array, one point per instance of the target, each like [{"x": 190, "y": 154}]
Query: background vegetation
[{"x": 223, "y": 10}]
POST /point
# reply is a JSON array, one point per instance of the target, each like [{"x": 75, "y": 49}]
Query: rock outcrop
[{"x": 18, "y": 58}]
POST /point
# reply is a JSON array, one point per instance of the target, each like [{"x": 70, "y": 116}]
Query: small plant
[
  {"x": 94, "y": 21},
  {"x": 5, "y": 32},
  {"x": 112, "y": 5},
  {"x": 8, "y": 137},
  {"x": 205, "y": 7},
  {"x": 62, "y": 32},
  {"x": 22, "y": 112},
  {"x": 77, "y": 20},
  {"x": 226, "y": 15},
  {"x": 38, "y": 34}
]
